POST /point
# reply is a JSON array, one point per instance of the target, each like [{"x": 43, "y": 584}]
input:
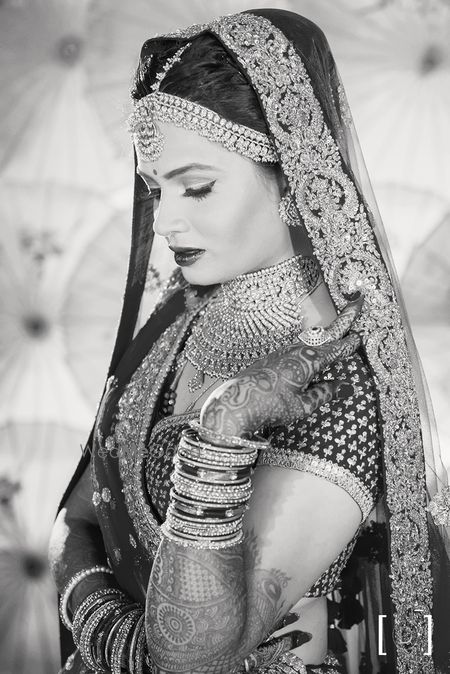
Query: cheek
[{"x": 235, "y": 219}]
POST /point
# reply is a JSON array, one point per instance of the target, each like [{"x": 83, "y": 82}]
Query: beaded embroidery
[
  {"x": 345, "y": 246},
  {"x": 164, "y": 107},
  {"x": 129, "y": 437}
]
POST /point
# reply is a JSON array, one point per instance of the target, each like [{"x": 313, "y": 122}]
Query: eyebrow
[{"x": 179, "y": 171}]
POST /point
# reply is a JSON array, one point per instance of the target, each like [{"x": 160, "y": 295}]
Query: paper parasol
[
  {"x": 59, "y": 305},
  {"x": 36, "y": 463},
  {"x": 394, "y": 58},
  {"x": 48, "y": 129},
  {"x": 426, "y": 286}
]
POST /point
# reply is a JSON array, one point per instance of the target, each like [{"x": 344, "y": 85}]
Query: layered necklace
[{"x": 249, "y": 317}]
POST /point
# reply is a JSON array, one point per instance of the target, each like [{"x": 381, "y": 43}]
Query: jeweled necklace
[{"x": 249, "y": 317}]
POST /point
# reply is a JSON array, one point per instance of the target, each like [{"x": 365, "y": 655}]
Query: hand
[{"x": 277, "y": 390}]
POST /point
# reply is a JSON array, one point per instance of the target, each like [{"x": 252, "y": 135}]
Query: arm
[
  {"x": 76, "y": 543},
  {"x": 208, "y": 609}
]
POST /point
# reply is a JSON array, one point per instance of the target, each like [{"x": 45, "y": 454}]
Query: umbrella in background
[
  {"x": 409, "y": 216},
  {"x": 55, "y": 344},
  {"x": 119, "y": 29},
  {"x": 48, "y": 129},
  {"x": 394, "y": 58},
  {"x": 36, "y": 462},
  {"x": 426, "y": 286}
]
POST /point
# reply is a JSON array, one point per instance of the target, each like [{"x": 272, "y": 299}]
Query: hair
[{"x": 206, "y": 75}]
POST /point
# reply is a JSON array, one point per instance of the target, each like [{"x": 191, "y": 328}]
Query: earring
[{"x": 288, "y": 211}]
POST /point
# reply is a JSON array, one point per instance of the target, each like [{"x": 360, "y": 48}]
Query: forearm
[
  {"x": 208, "y": 609},
  {"x": 76, "y": 545},
  {"x": 209, "y": 604}
]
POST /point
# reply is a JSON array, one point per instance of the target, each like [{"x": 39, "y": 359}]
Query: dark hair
[{"x": 207, "y": 75}]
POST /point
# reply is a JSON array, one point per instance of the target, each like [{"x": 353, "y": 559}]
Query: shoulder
[{"x": 340, "y": 441}]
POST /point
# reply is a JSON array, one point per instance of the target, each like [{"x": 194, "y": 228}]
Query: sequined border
[
  {"x": 345, "y": 246},
  {"x": 327, "y": 469},
  {"x": 130, "y": 435}
]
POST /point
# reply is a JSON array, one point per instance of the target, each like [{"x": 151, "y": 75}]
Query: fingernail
[{"x": 345, "y": 390}]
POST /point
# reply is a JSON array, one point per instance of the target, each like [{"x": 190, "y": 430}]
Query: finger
[
  {"x": 342, "y": 324},
  {"x": 338, "y": 350},
  {"x": 271, "y": 651},
  {"x": 305, "y": 403},
  {"x": 323, "y": 356}
]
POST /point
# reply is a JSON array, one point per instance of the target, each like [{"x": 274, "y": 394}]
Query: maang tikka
[{"x": 164, "y": 107}]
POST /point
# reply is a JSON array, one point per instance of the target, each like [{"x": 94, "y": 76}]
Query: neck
[{"x": 267, "y": 286}]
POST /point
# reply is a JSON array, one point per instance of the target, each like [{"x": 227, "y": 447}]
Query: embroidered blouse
[{"x": 339, "y": 442}]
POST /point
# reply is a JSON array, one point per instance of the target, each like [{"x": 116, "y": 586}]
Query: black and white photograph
[{"x": 224, "y": 336}]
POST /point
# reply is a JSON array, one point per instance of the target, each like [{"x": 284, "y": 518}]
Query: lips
[{"x": 186, "y": 256}]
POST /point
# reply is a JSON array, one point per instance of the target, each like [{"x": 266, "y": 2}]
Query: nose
[{"x": 168, "y": 219}]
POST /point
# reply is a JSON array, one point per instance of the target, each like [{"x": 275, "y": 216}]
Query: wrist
[
  {"x": 74, "y": 584},
  {"x": 212, "y": 487},
  {"x": 226, "y": 425}
]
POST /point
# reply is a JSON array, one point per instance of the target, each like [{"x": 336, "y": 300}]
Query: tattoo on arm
[{"x": 208, "y": 609}]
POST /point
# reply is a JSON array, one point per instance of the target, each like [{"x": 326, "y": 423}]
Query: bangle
[
  {"x": 121, "y": 639},
  {"x": 214, "y": 493},
  {"x": 205, "y": 509},
  {"x": 134, "y": 661},
  {"x": 118, "y": 620},
  {"x": 89, "y": 628},
  {"x": 210, "y": 492},
  {"x": 210, "y": 472},
  {"x": 221, "y": 439},
  {"x": 209, "y": 455},
  {"x": 71, "y": 585},
  {"x": 89, "y": 605},
  {"x": 216, "y": 543}
]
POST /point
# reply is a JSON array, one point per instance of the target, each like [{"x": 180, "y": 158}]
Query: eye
[{"x": 199, "y": 193}]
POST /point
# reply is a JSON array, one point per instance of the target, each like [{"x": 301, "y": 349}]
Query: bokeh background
[{"x": 65, "y": 195}]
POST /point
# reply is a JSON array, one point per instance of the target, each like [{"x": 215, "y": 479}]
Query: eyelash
[{"x": 197, "y": 194}]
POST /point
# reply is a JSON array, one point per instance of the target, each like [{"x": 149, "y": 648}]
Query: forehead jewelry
[{"x": 162, "y": 107}]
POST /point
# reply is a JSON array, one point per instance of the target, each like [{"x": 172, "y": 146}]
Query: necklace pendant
[{"x": 196, "y": 382}]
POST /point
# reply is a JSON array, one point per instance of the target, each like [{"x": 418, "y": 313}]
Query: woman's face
[{"x": 217, "y": 211}]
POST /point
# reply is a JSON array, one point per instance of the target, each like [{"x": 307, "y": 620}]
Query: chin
[{"x": 203, "y": 277}]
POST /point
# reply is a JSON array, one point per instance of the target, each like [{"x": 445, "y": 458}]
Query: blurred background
[{"x": 65, "y": 199}]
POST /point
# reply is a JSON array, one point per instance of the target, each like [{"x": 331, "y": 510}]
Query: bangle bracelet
[
  {"x": 119, "y": 619},
  {"x": 120, "y": 642},
  {"x": 89, "y": 605},
  {"x": 200, "y": 508},
  {"x": 133, "y": 662},
  {"x": 194, "y": 542},
  {"x": 210, "y": 477},
  {"x": 89, "y": 628},
  {"x": 71, "y": 585},
  {"x": 215, "y": 437},
  {"x": 210, "y": 472},
  {"x": 221, "y": 459}
]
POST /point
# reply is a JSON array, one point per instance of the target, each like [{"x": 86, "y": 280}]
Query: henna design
[
  {"x": 275, "y": 390},
  {"x": 208, "y": 609}
]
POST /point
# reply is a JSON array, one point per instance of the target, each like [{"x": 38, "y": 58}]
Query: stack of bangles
[
  {"x": 107, "y": 627},
  {"x": 212, "y": 487}
]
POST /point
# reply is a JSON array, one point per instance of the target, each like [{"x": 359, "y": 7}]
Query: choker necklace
[{"x": 249, "y": 317}]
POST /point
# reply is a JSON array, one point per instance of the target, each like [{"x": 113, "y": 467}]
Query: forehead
[{"x": 183, "y": 146}]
